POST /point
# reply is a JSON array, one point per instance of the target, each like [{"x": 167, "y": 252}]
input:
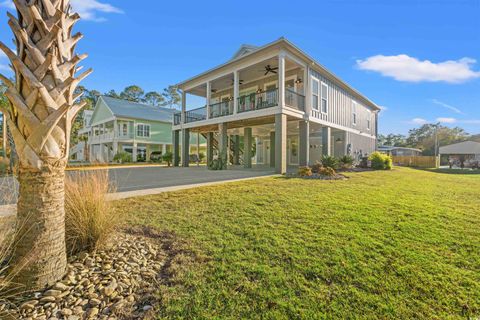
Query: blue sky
[{"x": 415, "y": 58}]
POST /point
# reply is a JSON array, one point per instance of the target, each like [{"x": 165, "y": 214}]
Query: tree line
[
  {"x": 169, "y": 97},
  {"x": 426, "y": 136}
]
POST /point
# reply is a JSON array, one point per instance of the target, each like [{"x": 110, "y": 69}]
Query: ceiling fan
[{"x": 269, "y": 69}]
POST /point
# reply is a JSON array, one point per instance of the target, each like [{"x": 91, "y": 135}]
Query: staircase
[{"x": 231, "y": 152}]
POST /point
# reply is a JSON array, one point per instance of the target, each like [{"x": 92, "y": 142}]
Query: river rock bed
[{"x": 118, "y": 282}]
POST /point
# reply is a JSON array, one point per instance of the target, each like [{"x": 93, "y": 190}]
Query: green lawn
[{"x": 392, "y": 245}]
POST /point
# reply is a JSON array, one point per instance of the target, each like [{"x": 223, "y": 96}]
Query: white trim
[
  {"x": 317, "y": 94},
  {"x": 322, "y": 84},
  {"x": 145, "y": 125}
]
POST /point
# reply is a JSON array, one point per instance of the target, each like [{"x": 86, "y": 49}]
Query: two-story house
[
  {"x": 122, "y": 126},
  {"x": 274, "y": 106}
]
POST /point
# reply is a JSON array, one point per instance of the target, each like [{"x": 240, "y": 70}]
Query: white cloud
[
  {"x": 8, "y": 4},
  {"x": 418, "y": 121},
  {"x": 446, "y": 120},
  {"x": 88, "y": 9},
  {"x": 445, "y": 105},
  {"x": 405, "y": 68}
]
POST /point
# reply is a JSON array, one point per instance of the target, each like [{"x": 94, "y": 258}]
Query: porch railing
[
  {"x": 177, "y": 118},
  {"x": 257, "y": 101},
  {"x": 294, "y": 100},
  {"x": 221, "y": 109},
  {"x": 194, "y": 115}
]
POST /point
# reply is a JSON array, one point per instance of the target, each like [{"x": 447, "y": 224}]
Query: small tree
[
  {"x": 39, "y": 116},
  {"x": 168, "y": 158}
]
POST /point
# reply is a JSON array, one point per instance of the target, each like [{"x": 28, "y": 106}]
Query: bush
[
  {"x": 327, "y": 171},
  {"x": 89, "y": 216},
  {"x": 316, "y": 167},
  {"x": 330, "y": 162},
  {"x": 168, "y": 158},
  {"x": 202, "y": 156},
  {"x": 305, "y": 172},
  {"x": 123, "y": 157},
  {"x": 346, "y": 162},
  {"x": 381, "y": 161}
]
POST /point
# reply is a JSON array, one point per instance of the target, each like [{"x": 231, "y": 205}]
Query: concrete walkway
[{"x": 141, "y": 181}]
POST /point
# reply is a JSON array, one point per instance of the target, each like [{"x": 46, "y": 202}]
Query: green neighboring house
[{"x": 122, "y": 126}]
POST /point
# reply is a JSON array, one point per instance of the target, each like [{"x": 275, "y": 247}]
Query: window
[
  {"x": 354, "y": 113},
  {"x": 369, "y": 117},
  {"x": 315, "y": 89},
  {"x": 124, "y": 129},
  {"x": 324, "y": 98},
  {"x": 143, "y": 130}
]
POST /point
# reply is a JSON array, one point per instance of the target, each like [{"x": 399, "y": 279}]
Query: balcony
[
  {"x": 221, "y": 109},
  {"x": 258, "y": 101},
  {"x": 294, "y": 100},
  {"x": 109, "y": 137},
  {"x": 196, "y": 115}
]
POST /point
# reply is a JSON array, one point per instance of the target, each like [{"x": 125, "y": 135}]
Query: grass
[
  {"x": 89, "y": 218},
  {"x": 403, "y": 244}
]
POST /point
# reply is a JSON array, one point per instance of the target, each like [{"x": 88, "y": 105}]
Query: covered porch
[{"x": 279, "y": 142}]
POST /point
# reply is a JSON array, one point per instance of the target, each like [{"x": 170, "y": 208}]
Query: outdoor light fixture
[{"x": 298, "y": 81}]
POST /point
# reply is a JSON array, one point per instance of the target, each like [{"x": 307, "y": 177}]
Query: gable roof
[
  {"x": 466, "y": 147},
  {"x": 244, "y": 49},
  {"x": 133, "y": 110}
]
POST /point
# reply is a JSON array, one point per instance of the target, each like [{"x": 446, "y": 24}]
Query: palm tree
[{"x": 42, "y": 109}]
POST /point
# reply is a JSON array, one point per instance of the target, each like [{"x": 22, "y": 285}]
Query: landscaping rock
[{"x": 112, "y": 282}]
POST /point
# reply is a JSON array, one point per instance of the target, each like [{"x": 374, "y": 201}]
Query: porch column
[
  {"x": 164, "y": 149},
  {"x": 272, "y": 149},
  {"x": 115, "y": 148},
  {"x": 304, "y": 143},
  {"x": 308, "y": 92},
  {"x": 281, "y": 80},
  {"x": 281, "y": 143},
  {"x": 223, "y": 144},
  {"x": 209, "y": 148},
  {"x": 236, "y": 90},
  {"x": 209, "y": 97},
  {"x": 326, "y": 141},
  {"x": 236, "y": 150},
  {"x": 184, "y": 106},
  {"x": 247, "y": 147},
  {"x": 134, "y": 152},
  {"x": 185, "y": 147},
  {"x": 176, "y": 147}
]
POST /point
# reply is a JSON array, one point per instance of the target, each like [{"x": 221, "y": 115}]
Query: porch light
[
  {"x": 298, "y": 81},
  {"x": 259, "y": 91}
]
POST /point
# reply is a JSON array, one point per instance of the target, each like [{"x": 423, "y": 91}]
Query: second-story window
[
  {"x": 315, "y": 93},
  {"x": 124, "y": 129},
  {"x": 354, "y": 113},
  {"x": 143, "y": 130},
  {"x": 369, "y": 117},
  {"x": 324, "y": 98}
]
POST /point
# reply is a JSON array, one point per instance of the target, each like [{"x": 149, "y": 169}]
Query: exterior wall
[
  {"x": 360, "y": 145},
  {"x": 102, "y": 113},
  {"x": 340, "y": 110}
]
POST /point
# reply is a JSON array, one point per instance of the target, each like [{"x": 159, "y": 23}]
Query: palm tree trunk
[{"x": 41, "y": 216}]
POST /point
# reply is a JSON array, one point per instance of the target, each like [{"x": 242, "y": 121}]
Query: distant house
[
  {"x": 464, "y": 151},
  {"x": 399, "y": 151},
  {"x": 122, "y": 126}
]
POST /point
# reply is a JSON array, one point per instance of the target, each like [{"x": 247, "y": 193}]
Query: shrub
[
  {"x": 123, "y": 157},
  {"x": 330, "y": 162},
  {"x": 346, "y": 162},
  {"x": 305, "y": 172},
  {"x": 381, "y": 161},
  {"x": 168, "y": 158},
  {"x": 201, "y": 156},
  {"x": 316, "y": 167},
  {"x": 89, "y": 216},
  {"x": 327, "y": 171}
]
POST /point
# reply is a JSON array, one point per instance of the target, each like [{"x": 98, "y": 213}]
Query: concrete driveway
[{"x": 143, "y": 178}]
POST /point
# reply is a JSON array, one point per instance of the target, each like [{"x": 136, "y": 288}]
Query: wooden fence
[{"x": 417, "y": 161}]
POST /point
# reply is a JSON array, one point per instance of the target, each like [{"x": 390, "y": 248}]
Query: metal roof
[
  {"x": 133, "y": 110},
  {"x": 390, "y": 148},
  {"x": 467, "y": 147}
]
